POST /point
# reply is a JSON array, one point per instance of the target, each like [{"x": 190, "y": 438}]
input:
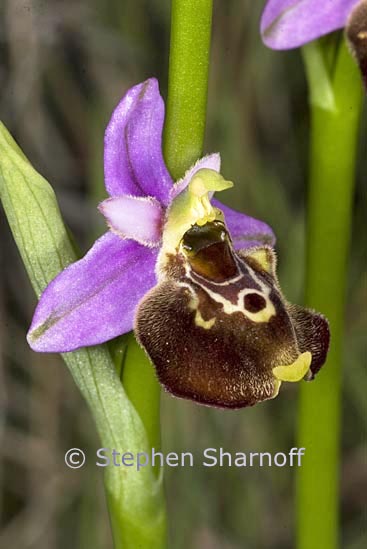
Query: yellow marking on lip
[
  {"x": 295, "y": 371},
  {"x": 206, "y": 324},
  {"x": 263, "y": 257},
  {"x": 199, "y": 320}
]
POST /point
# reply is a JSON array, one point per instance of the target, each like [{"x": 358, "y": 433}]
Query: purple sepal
[
  {"x": 133, "y": 160},
  {"x": 246, "y": 231},
  {"x": 94, "y": 299}
]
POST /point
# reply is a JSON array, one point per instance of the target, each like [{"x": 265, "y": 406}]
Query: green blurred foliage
[{"x": 63, "y": 67}]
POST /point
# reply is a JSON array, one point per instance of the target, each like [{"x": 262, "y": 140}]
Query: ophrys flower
[{"x": 198, "y": 277}]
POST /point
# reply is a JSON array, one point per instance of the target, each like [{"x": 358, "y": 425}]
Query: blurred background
[{"x": 63, "y": 67}]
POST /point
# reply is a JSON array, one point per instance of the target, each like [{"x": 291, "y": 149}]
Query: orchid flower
[
  {"x": 195, "y": 278},
  {"x": 287, "y": 24}
]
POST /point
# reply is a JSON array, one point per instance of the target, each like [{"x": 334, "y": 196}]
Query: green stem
[
  {"x": 142, "y": 388},
  {"x": 187, "y": 83},
  {"x": 335, "y": 102}
]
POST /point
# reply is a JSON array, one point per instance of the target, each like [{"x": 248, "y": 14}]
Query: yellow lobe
[
  {"x": 295, "y": 371},
  {"x": 264, "y": 257}
]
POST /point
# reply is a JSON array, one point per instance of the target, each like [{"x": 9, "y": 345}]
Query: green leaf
[
  {"x": 135, "y": 497},
  {"x": 33, "y": 214}
]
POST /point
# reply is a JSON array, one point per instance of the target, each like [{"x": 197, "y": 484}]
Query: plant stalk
[
  {"x": 187, "y": 83},
  {"x": 335, "y": 104}
]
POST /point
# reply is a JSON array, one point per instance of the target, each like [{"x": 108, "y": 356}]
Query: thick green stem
[
  {"x": 142, "y": 388},
  {"x": 335, "y": 102},
  {"x": 187, "y": 83}
]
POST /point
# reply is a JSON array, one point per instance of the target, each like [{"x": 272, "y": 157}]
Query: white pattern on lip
[{"x": 264, "y": 315}]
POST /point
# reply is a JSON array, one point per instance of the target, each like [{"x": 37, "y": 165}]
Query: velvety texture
[
  {"x": 218, "y": 329},
  {"x": 94, "y": 299},
  {"x": 287, "y": 24}
]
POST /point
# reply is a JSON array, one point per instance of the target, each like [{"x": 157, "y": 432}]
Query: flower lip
[
  {"x": 254, "y": 302},
  {"x": 209, "y": 347}
]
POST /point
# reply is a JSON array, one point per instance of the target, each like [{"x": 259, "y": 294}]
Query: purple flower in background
[
  {"x": 193, "y": 277},
  {"x": 287, "y": 24}
]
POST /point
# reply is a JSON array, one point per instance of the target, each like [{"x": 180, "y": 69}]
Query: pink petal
[{"x": 138, "y": 218}]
